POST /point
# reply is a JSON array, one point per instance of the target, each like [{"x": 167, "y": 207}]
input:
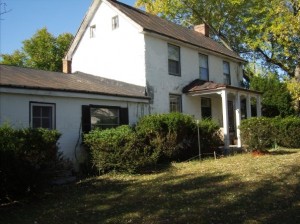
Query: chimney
[
  {"x": 202, "y": 28},
  {"x": 67, "y": 66}
]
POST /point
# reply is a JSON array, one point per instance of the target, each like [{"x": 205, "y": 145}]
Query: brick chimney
[
  {"x": 202, "y": 28},
  {"x": 67, "y": 68}
]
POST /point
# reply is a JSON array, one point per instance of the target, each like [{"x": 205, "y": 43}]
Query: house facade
[
  {"x": 181, "y": 69},
  {"x": 70, "y": 103}
]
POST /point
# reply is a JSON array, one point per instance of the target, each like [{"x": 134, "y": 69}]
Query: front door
[{"x": 231, "y": 123}]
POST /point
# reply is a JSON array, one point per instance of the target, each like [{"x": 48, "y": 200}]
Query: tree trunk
[{"x": 297, "y": 73}]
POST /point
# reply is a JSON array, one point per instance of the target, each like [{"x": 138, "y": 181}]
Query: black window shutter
[
  {"x": 124, "y": 116},
  {"x": 86, "y": 119}
]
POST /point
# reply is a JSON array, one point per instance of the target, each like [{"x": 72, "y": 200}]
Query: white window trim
[{"x": 41, "y": 104}]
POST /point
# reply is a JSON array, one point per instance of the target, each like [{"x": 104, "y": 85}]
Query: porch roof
[{"x": 199, "y": 86}]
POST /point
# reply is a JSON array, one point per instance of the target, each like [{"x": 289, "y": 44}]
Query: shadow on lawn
[{"x": 168, "y": 198}]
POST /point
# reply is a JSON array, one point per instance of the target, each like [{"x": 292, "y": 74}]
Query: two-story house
[{"x": 181, "y": 69}]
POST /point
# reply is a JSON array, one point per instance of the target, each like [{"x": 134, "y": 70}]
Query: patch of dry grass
[{"x": 237, "y": 189}]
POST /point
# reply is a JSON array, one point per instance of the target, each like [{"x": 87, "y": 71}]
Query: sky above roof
[{"x": 25, "y": 17}]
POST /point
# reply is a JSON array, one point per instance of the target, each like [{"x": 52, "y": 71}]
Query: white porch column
[
  {"x": 238, "y": 118},
  {"x": 248, "y": 105},
  {"x": 258, "y": 106},
  {"x": 225, "y": 118}
]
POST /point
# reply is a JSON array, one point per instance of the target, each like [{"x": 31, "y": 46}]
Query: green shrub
[
  {"x": 27, "y": 159},
  {"x": 118, "y": 149},
  {"x": 156, "y": 139},
  {"x": 258, "y": 132},
  {"x": 262, "y": 132},
  {"x": 171, "y": 136},
  {"x": 289, "y": 132}
]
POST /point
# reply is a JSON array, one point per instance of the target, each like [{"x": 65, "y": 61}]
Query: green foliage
[
  {"x": 27, "y": 159},
  {"x": 118, "y": 149},
  {"x": 276, "y": 99},
  {"x": 258, "y": 132},
  {"x": 262, "y": 132},
  {"x": 156, "y": 139},
  {"x": 42, "y": 51}
]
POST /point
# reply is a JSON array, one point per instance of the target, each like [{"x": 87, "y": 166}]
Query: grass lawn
[{"x": 235, "y": 189}]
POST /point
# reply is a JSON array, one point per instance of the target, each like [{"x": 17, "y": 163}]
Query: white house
[
  {"x": 181, "y": 69},
  {"x": 125, "y": 63}
]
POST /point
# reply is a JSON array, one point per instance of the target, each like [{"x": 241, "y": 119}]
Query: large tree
[
  {"x": 264, "y": 30},
  {"x": 42, "y": 51}
]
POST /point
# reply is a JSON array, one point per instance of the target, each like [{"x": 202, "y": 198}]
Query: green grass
[{"x": 236, "y": 189}]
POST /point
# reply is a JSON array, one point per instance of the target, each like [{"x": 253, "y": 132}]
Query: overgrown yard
[{"x": 236, "y": 189}]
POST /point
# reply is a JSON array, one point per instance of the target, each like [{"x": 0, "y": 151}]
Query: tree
[
  {"x": 276, "y": 98},
  {"x": 268, "y": 31},
  {"x": 42, "y": 51}
]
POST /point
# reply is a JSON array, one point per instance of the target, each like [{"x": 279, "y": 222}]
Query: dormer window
[
  {"x": 203, "y": 67},
  {"x": 115, "y": 22},
  {"x": 93, "y": 31}
]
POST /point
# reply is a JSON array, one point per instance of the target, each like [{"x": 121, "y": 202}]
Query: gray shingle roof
[
  {"x": 19, "y": 77},
  {"x": 155, "y": 24}
]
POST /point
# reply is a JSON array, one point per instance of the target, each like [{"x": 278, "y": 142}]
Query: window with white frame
[
  {"x": 203, "y": 67},
  {"x": 42, "y": 115},
  {"x": 93, "y": 31},
  {"x": 206, "y": 108},
  {"x": 226, "y": 73},
  {"x": 175, "y": 103},
  {"x": 174, "y": 60},
  {"x": 115, "y": 22}
]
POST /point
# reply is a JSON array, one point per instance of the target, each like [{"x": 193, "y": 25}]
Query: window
[
  {"x": 203, "y": 67},
  {"x": 103, "y": 117},
  {"x": 226, "y": 72},
  {"x": 115, "y": 22},
  {"x": 174, "y": 59},
  {"x": 42, "y": 115},
  {"x": 206, "y": 108},
  {"x": 92, "y": 31},
  {"x": 175, "y": 103}
]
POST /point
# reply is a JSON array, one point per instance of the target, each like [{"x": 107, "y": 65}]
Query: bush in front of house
[
  {"x": 27, "y": 160},
  {"x": 289, "y": 132},
  {"x": 261, "y": 132},
  {"x": 156, "y": 139},
  {"x": 118, "y": 149}
]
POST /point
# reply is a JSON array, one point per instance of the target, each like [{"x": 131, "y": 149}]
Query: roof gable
[{"x": 154, "y": 24}]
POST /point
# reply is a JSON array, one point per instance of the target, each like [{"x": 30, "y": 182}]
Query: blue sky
[{"x": 27, "y": 16}]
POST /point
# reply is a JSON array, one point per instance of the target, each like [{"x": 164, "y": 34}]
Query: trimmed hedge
[
  {"x": 262, "y": 132},
  {"x": 27, "y": 160},
  {"x": 156, "y": 139}
]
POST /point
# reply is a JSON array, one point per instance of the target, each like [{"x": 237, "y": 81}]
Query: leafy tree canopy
[
  {"x": 42, "y": 51},
  {"x": 268, "y": 31},
  {"x": 276, "y": 98}
]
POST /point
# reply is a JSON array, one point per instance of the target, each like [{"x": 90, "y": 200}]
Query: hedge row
[
  {"x": 262, "y": 132},
  {"x": 27, "y": 160},
  {"x": 156, "y": 139}
]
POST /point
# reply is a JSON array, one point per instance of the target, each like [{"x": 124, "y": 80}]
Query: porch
[{"x": 230, "y": 105}]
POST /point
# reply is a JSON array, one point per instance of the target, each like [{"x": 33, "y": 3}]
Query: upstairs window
[
  {"x": 203, "y": 67},
  {"x": 93, "y": 31},
  {"x": 175, "y": 103},
  {"x": 174, "y": 60},
  {"x": 226, "y": 73},
  {"x": 115, "y": 22},
  {"x": 42, "y": 115}
]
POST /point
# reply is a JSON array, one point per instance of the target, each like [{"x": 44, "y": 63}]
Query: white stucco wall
[
  {"x": 14, "y": 109},
  {"x": 116, "y": 54},
  {"x": 161, "y": 84}
]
